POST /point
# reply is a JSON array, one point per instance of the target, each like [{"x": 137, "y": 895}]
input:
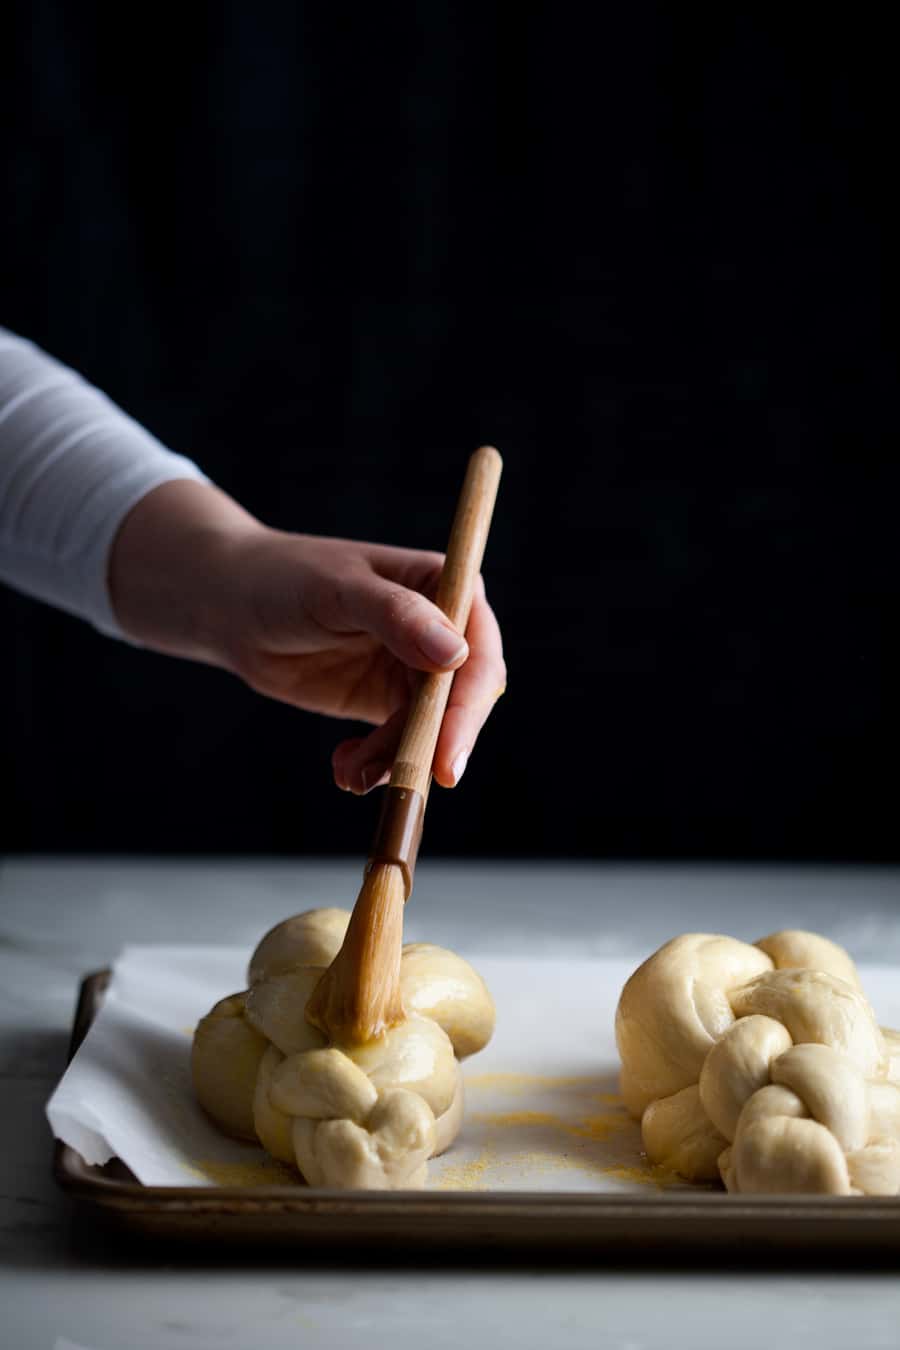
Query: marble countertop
[{"x": 65, "y": 1284}]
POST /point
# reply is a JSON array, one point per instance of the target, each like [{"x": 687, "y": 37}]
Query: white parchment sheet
[{"x": 542, "y": 1111}]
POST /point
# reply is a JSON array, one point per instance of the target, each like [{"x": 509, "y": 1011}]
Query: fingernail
[
  {"x": 372, "y": 775},
  {"x": 458, "y": 767},
  {"x": 441, "y": 645}
]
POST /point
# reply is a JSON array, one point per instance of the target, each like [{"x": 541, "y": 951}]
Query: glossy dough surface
[
  {"x": 355, "y": 1116},
  {"x": 762, "y": 1064}
]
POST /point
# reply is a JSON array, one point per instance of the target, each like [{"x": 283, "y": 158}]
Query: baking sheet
[
  {"x": 543, "y": 1114},
  {"x": 542, "y": 1109}
]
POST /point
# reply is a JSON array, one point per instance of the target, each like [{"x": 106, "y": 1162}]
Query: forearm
[
  {"x": 174, "y": 571},
  {"x": 72, "y": 466}
]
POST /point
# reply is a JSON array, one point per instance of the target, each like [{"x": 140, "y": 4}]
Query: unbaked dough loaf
[
  {"x": 762, "y": 1064},
  {"x": 346, "y": 1116}
]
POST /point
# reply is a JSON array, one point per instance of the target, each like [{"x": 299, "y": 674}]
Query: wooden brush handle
[{"x": 415, "y": 754}]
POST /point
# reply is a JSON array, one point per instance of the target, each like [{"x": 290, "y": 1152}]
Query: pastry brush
[{"x": 358, "y": 997}]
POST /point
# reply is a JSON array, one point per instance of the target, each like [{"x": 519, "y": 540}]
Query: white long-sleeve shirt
[{"x": 72, "y": 465}]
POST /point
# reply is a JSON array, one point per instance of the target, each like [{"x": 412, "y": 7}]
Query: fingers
[
  {"x": 410, "y": 626},
  {"x": 340, "y": 761},
  {"x": 476, "y": 688},
  {"x": 363, "y": 763}
]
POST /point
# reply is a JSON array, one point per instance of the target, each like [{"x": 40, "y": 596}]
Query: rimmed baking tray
[{"x": 292, "y": 1216}]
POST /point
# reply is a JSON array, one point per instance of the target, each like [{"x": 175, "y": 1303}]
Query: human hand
[{"x": 333, "y": 626}]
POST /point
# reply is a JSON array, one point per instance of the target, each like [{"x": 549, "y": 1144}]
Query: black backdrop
[{"x": 328, "y": 248}]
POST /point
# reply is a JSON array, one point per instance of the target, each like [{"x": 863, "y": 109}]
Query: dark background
[{"x": 329, "y": 248}]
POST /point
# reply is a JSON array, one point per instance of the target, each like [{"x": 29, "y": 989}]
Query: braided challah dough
[
  {"x": 761, "y": 1064},
  {"x": 349, "y": 1116}
]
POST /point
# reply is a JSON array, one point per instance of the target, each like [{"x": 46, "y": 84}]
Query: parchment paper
[{"x": 542, "y": 1109}]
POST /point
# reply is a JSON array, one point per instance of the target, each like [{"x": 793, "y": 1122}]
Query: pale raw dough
[
  {"x": 761, "y": 1064},
  {"x": 350, "y": 1116},
  {"x": 437, "y": 983},
  {"x": 225, "y": 1059},
  {"x": 310, "y": 939}
]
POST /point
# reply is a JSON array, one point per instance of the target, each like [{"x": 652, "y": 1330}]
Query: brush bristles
[{"x": 358, "y": 997}]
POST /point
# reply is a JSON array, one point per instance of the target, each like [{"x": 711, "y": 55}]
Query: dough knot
[
  {"x": 762, "y": 1064},
  {"x": 347, "y": 1116}
]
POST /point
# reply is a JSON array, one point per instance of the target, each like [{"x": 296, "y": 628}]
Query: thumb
[{"x": 410, "y": 626}]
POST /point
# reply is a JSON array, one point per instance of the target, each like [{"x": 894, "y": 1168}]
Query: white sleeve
[{"x": 72, "y": 465}]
